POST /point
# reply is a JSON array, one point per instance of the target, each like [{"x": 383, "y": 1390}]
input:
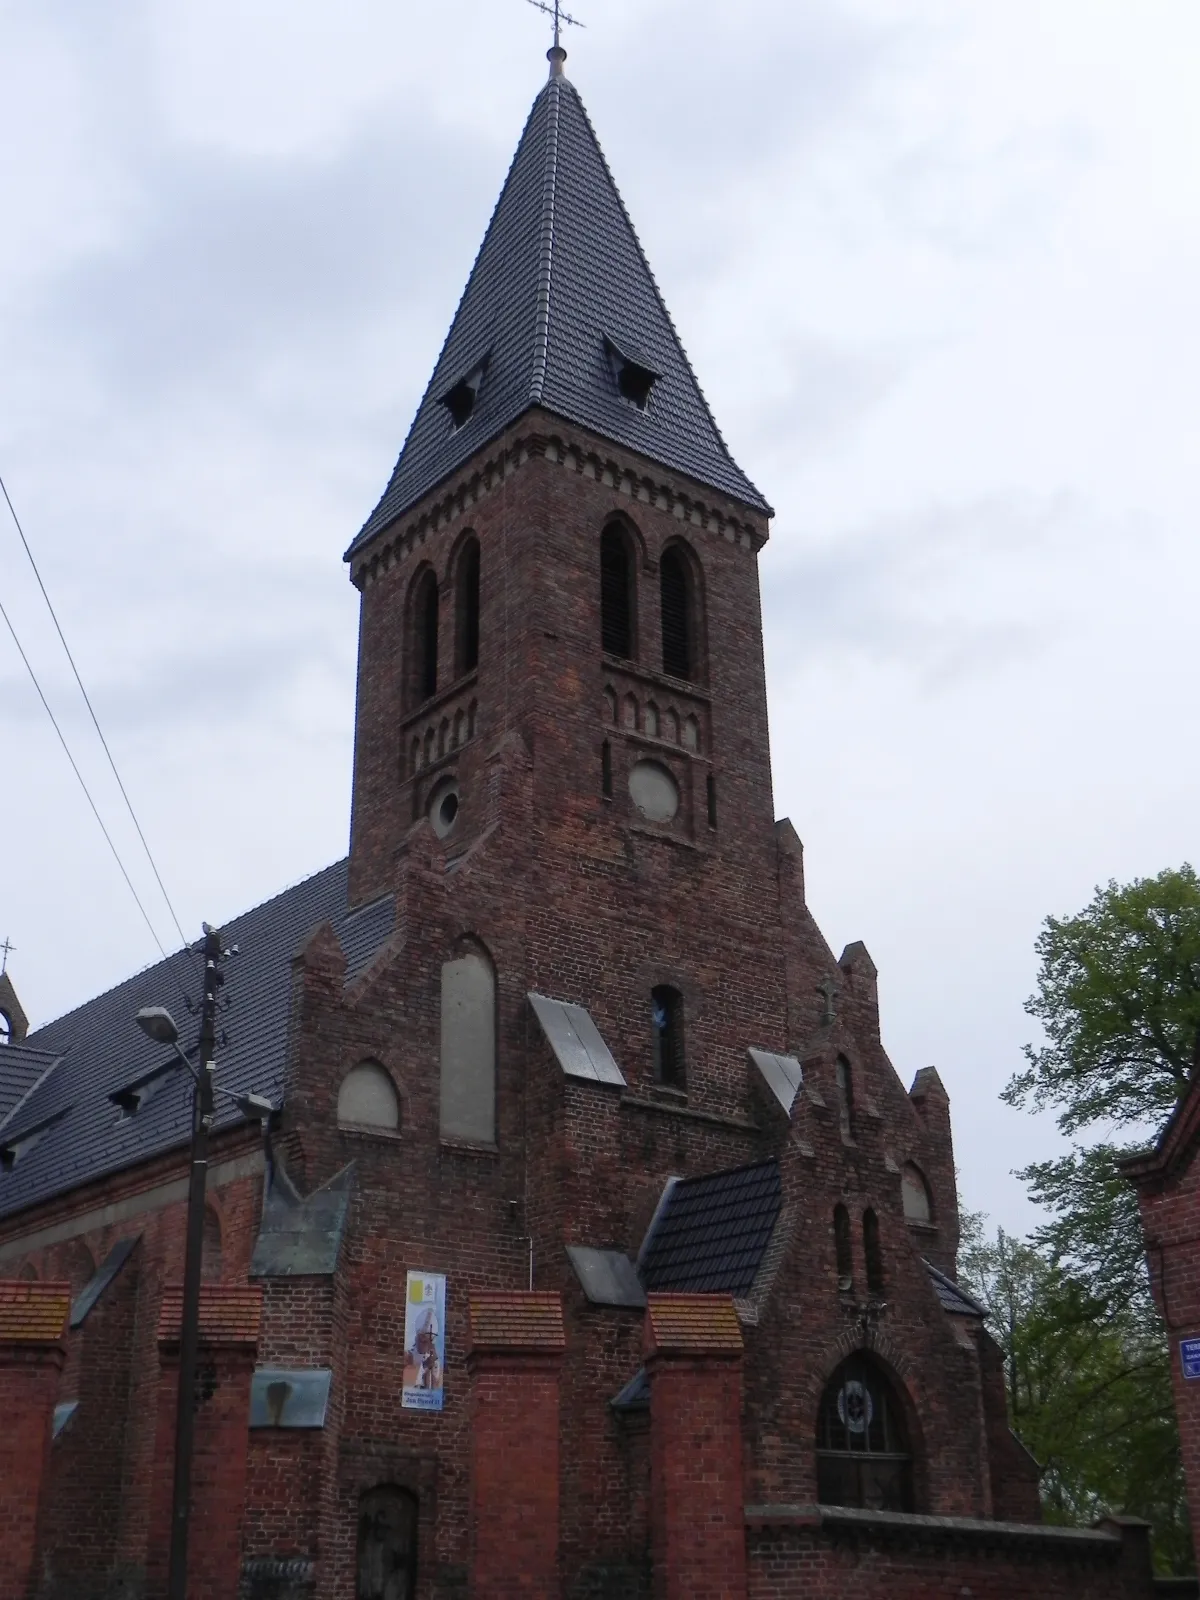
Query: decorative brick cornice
[
  {"x": 692, "y": 1325},
  {"x": 638, "y": 479},
  {"x": 505, "y": 1321},
  {"x": 230, "y": 1314},
  {"x": 33, "y": 1313}
]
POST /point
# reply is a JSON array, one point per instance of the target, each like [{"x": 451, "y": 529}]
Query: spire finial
[
  {"x": 5, "y": 947},
  {"x": 556, "y": 55}
]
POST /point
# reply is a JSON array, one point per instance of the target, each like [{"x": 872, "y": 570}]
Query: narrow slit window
[
  {"x": 467, "y": 608},
  {"x": 616, "y": 595},
  {"x": 845, "y": 1089},
  {"x": 872, "y": 1253},
  {"x": 843, "y": 1250},
  {"x": 677, "y": 644},
  {"x": 666, "y": 1006}
]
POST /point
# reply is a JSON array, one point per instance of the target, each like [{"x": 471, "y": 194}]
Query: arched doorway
[
  {"x": 863, "y": 1453},
  {"x": 387, "y": 1545}
]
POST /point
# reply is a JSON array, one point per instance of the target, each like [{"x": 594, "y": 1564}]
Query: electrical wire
[
  {"x": 95, "y": 722},
  {"x": 82, "y": 783}
]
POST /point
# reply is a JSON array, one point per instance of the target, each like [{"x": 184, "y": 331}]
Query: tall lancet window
[
  {"x": 466, "y": 607},
  {"x": 424, "y": 638},
  {"x": 616, "y": 594},
  {"x": 678, "y": 630}
]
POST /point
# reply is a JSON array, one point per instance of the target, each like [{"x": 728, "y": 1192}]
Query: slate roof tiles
[
  {"x": 96, "y": 1050},
  {"x": 561, "y": 271},
  {"x": 710, "y": 1234}
]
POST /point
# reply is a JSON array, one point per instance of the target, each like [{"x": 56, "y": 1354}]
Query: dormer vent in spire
[
  {"x": 460, "y": 400},
  {"x": 634, "y": 378}
]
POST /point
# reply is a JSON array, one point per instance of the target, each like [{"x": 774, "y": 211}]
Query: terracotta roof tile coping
[
  {"x": 692, "y": 1324},
  {"x": 33, "y": 1313},
  {"x": 504, "y": 1319},
  {"x": 230, "y": 1313}
]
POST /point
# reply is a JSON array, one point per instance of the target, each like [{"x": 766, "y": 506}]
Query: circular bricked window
[{"x": 653, "y": 791}]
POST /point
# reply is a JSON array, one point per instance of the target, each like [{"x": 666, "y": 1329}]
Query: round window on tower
[{"x": 443, "y": 807}]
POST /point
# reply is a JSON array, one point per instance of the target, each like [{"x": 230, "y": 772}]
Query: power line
[
  {"x": 82, "y": 784},
  {"x": 95, "y": 720}
]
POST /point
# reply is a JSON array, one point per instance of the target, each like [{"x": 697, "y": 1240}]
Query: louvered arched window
[
  {"x": 423, "y": 638},
  {"x": 616, "y": 594},
  {"x": 466, "y": 609},
  {"x": 677, "y": 592}
]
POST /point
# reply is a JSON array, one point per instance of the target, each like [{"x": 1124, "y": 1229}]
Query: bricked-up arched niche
[
  {"x": 368, "y": 1099},
  {"x": 468, "y": 1057},
  {"x": 682, "y": 613},
  {"x": 918, "y": 1206},
  {"x": 872, "y": 1253},
  {"x": 28, "y": 1273},
  {"x": 666, "y": 1013},
  {"x": 863, "y": 1454},
  {"x": 386, "y": 1567},
  {"x": 74, "y": 1262},
  {"x": 213, "y": 1260},
  {"x": 466, "y": 607},
  {"x": 843, "y": 1249},
  {"x": 618, "y": 593},
  {"x": 423, "y": 637}
]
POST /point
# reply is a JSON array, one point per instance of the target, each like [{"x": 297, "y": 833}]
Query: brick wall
[{"x": 33, "y": 1319}]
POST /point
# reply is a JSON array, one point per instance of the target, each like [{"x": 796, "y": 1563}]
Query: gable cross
[
  {"x": 5, "y": 947},
  {"x": 559, "y": 15},
  {"x": 829, "y": 990}
]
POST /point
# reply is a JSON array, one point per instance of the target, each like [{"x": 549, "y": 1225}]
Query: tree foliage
[
  {"x": 1089, "y": 1391},
  {"x": 1119, "y": 998},
  {"x": 1087, "y": 1359}
]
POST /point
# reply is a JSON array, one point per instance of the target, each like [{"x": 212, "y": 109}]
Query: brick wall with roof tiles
[
  {"x": 81, "y": 1518},
  {"x": 33, "y": 1320}
]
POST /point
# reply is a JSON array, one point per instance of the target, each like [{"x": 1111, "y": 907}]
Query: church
[{"x": 593, "y": 1247}]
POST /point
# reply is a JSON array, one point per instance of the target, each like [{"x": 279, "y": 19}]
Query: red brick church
[{"x": 594, "y": 1248}]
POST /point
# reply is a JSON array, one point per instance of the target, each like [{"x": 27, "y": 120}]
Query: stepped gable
[
  {"x": 68, "y": 1130},
  {"x": 560, "y": 286}
]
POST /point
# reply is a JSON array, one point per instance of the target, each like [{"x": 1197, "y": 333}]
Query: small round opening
[{"x": 443, "y": 808}]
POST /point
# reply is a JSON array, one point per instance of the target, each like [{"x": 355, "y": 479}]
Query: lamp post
[{"x": 158, "y": 1024}]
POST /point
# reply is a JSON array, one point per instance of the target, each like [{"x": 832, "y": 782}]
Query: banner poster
[{"x": 424, "y": 1341}]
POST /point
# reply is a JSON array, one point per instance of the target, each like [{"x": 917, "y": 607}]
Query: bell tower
[{"x": 566, "y": 548}]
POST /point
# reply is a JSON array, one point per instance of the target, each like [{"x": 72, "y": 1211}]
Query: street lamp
[{"x": 157, "y": 1023}]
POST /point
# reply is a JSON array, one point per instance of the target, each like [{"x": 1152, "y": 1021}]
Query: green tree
[
  {"x": 1089, "y": 1391},
  {"x": 1118, "y": 998}
]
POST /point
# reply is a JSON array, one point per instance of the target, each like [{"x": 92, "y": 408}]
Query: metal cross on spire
[
  {"x": 5, "y": 946},
  {"x": 559, "y": 16}
]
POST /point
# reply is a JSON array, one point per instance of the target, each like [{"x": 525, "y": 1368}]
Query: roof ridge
[
  {"x": 541, "y": 332},
  {"x": 679, "y": 345},
  {"x": 151, "y": 966}
]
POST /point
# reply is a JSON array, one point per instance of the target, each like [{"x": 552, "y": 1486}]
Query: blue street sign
[{"x": 1189, "y": 1354}]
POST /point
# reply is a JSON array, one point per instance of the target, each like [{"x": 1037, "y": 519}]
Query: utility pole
[{"x": 189, "y": 1339}]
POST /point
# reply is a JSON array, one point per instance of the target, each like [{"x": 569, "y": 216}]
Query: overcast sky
[{"x": 936, "y": 265}]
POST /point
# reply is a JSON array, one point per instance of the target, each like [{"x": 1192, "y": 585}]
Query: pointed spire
[{"x": 561, "y": 311}]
